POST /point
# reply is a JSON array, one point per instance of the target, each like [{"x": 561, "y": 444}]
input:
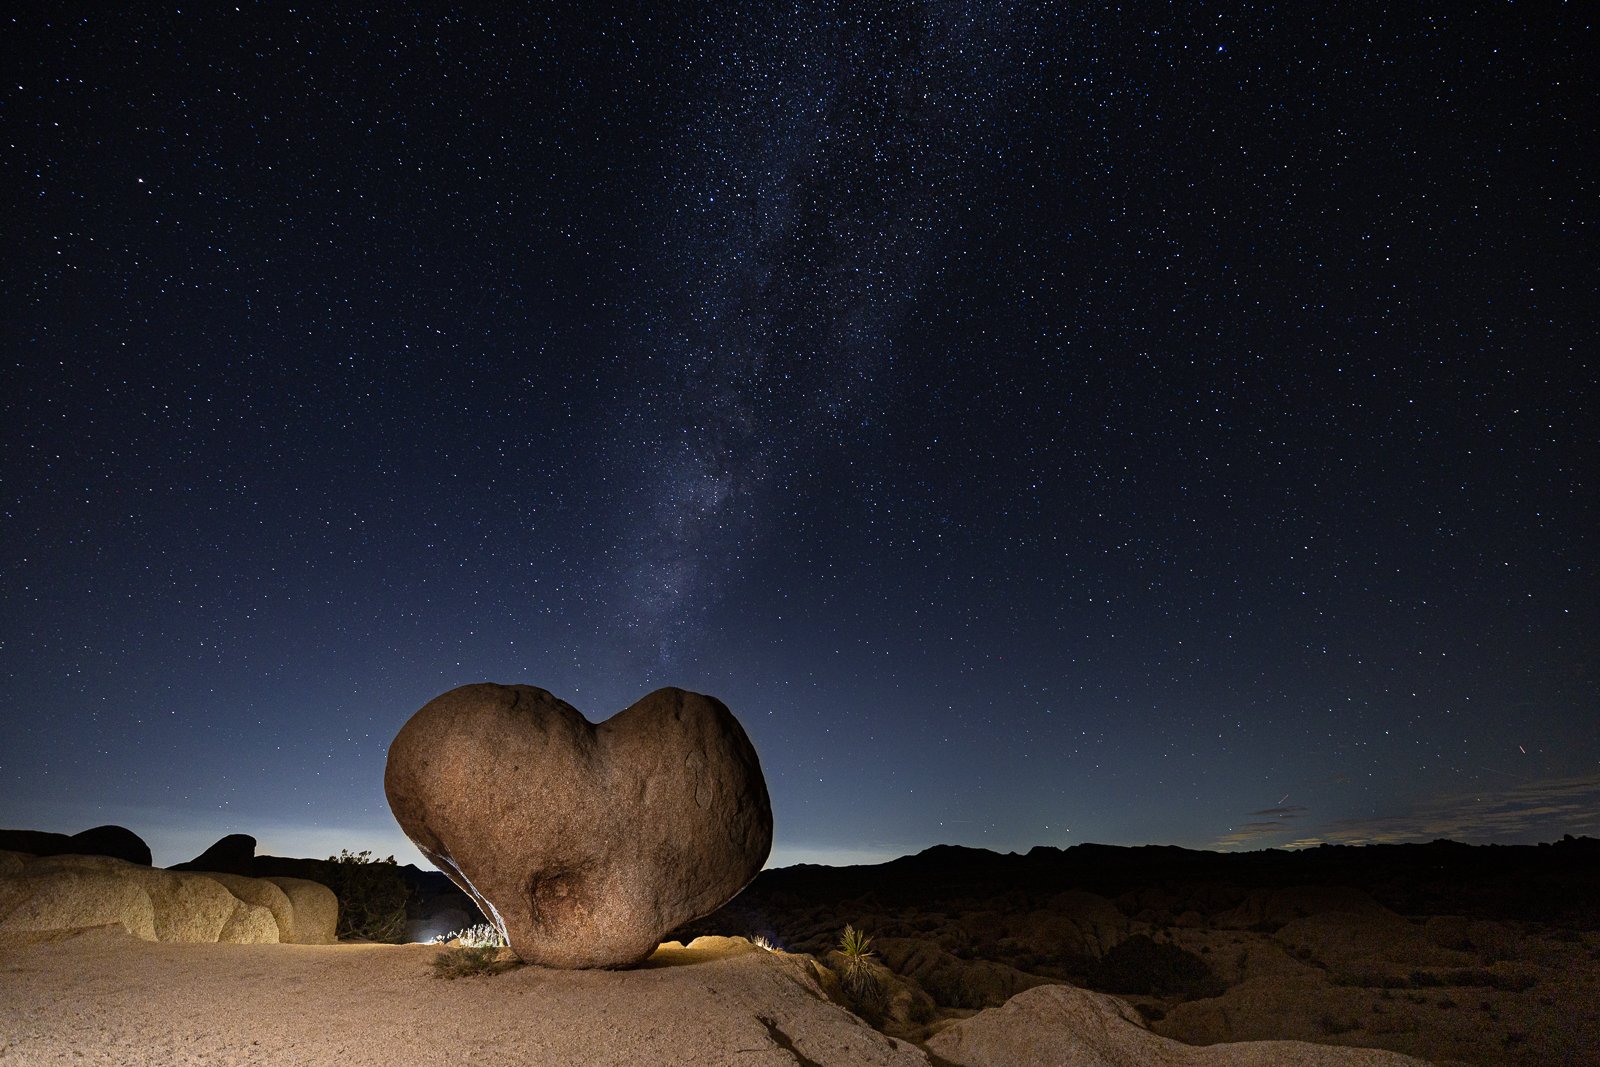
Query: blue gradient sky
[{"x": 1172, "y": 426}]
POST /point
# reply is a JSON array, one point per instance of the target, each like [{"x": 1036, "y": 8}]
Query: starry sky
[{"x": 1123, "y": 423}]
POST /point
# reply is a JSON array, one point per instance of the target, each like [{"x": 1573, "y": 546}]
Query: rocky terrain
[
  {"x": 103, "y": 998},
  {"x": 1445, "y": 953},
  {"x": 1454, "y": 954}
]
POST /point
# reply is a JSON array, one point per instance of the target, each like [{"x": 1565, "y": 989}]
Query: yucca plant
[{"x": 859, "y": 980}]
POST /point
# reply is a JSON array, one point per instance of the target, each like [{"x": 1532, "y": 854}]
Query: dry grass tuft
[{"x": 466, "y": 961}]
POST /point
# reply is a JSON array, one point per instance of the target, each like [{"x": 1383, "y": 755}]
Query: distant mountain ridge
[{"x": 1557, "y": 882}]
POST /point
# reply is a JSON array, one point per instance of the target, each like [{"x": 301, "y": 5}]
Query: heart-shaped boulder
[{"x": 583, "y": 843}]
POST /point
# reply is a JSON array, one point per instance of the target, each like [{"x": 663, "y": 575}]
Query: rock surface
[
  {"x": 261, "y": 895},
  {"x": 56, "y": 895},
  {"x": 313, "y": 912},
  {"x": 58, "y": 898},
  {"x": 950, "y": 980},
  {"x": 1060, "y": 1026},
  {"x": 585, "y": 843},
  {"x": 718, "y": 1002}
]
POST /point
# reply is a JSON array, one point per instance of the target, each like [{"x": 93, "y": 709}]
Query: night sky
[{"x": 1118, "y": 423}]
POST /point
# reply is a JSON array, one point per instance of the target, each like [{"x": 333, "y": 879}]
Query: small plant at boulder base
[
  {"x": 484, "y": 935},
  {"x": 372, "y": 897},
  {"x": 476, "y": 950},
  {"x": 859, "y": 980},
  {"x": 463, "y": 961}
]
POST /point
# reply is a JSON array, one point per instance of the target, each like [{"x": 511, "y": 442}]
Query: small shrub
[
  {"x": 484, "y": 935},
  {"x": 464, "y": 961},
  {"x": 372, "y": 897}
]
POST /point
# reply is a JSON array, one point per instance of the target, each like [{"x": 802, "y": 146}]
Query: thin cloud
[
  {"x": 1532, "y": 811},
  {"x": 1247, "y": 833},
  {"x": 1538, "y": 810},
  {"x": 1268, "y": 822}
]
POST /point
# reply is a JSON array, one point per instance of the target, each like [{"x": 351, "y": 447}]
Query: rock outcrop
[
  {"x": 233, "y": 854},
  {"x": 313, "y": 912},
  {"x": 1061, "y": 1026},
  {"x": 53, "y": 895},
  {"x": 41, "y": 897},
  {"x": 585, "y": 843},
  {"x": 950, "y": 980},
  {"x": 117, "y": 841}
]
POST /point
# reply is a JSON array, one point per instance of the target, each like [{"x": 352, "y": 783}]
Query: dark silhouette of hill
[{"x": 1556, "y": 883}]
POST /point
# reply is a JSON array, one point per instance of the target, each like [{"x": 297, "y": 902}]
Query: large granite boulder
[
  {"x": 39, "y": 898},
  {"x": 262, "y": 895},
  {"x": 196, "y": 908},
  {"x": 313, "y": 912},
  {"x": 57, "y": 894},
  {"x": 584, "y": 843}
]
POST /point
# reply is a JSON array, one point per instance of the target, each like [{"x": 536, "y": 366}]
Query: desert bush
[
  {"x": 372, "y": 897},
  {"x": 483, "y": 935},
  {"x": 1161, "y": 969},
  {"x": 464, "y": 961}
]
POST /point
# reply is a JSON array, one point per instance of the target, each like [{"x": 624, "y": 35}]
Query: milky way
[{"x": 819, "y": 165}]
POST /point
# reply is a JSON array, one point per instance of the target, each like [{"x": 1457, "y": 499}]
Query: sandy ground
[{"x": 110, "y": 999}]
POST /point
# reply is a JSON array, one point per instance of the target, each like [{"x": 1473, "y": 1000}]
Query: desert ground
[
  {"x": 103, "y": 997},
  {"x": 1096, "y": 956}
]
